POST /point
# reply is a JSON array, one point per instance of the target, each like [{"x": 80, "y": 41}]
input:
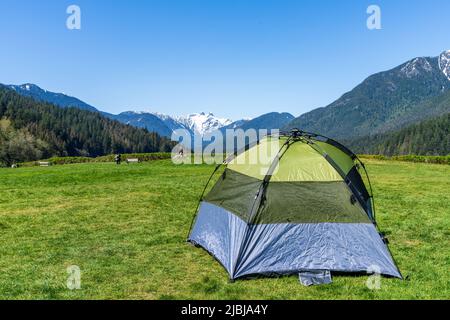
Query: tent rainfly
[{"x": 306, "y": 211}]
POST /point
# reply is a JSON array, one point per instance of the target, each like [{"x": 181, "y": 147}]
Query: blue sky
[{"x": 233, "y": 58}]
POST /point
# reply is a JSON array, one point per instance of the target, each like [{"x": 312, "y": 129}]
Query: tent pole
[{"x": 201, "y": 198}]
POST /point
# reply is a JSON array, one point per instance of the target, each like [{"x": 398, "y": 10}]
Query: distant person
[{"x": 118, "y": 158}]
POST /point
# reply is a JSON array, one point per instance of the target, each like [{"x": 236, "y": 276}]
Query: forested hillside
[
  {"x": 387, "y": 101},
  {"x": 31, "y": 130},
  {"x": 430, "y": 137}
]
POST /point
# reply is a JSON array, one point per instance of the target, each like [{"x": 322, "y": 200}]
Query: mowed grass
[{"x": 125, "y": 227}]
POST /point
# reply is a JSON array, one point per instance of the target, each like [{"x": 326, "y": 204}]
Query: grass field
[{"x": 125, "y": 227}]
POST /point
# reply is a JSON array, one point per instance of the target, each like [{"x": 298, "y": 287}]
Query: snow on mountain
[
  {"x": 415, "y": 66},
  {"x": 197, "y": 123},
  {"x": 59, "y": 99},
  {"x": 422, "y": 65},
  {"x": 202, "y": 123},
  {"x": 171, "y": 122},
  {"x": 444, "y": 63}
]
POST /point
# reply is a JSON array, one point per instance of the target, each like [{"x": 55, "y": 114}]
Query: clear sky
[{"x": 233, "y": 58}]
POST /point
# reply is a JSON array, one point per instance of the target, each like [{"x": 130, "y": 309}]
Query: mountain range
[
  {"x": 196, "y": 123},
  {"x": 386, "y": 101},
  {"x": 402, "y": 103},
  {"x": 164, "y": 125},
  {"x": 59, "y": 99}
]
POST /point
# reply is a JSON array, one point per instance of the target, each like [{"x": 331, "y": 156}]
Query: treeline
[
  {"x": 142, "y": 157},
  {"x": 31, "y": 130},
  {"x": 429, "y": 138},
  {"x": 409, "y": 158}
]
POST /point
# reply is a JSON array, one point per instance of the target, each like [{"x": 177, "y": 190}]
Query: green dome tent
[{"x": 303, "y": 209}]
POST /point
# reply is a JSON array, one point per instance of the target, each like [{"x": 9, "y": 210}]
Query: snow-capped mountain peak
[
  {"x": 26, "y": 87},
  {"x": 196, "y": 123},
  {"x": 163, "y": 116},
  {"x": 202, "y": 123},
  {"x": 415, "y": 66},
  {"x": 444, "y": 63}
]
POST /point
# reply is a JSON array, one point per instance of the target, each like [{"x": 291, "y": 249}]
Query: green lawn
[{"x": 125, "y": 227}]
